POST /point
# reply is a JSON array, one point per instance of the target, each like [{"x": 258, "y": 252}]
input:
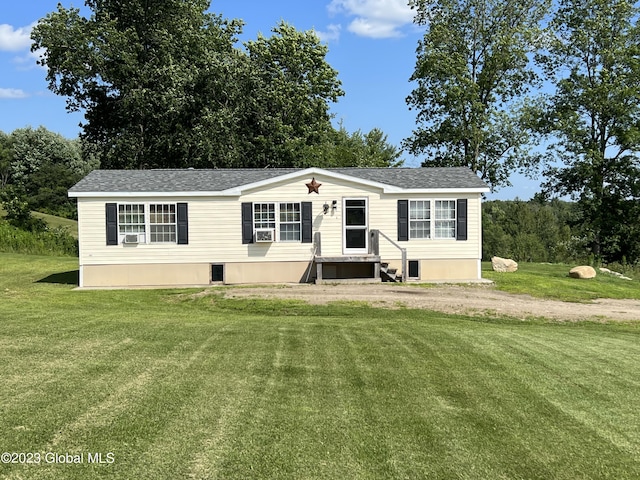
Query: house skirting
[
  {"x": 168, "y": 275},
  {"x": 449, "y": 270},
  {"x": 172, "y": 275}
]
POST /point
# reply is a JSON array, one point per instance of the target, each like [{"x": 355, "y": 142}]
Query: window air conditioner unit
[
  {"x": 131, "y": 238},
  {"x": 265, "y": 235}
]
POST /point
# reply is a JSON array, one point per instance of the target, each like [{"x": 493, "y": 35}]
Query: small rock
[
  {"x": 583, "y": 271},
  {"x": 615, "y": 274},
  {"x": 503, "y": 265}
]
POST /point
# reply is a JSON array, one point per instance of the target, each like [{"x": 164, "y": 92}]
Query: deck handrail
[{"x": 403, "y": 251}]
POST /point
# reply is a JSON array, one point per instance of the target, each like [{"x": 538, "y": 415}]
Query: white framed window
[
  {"x": 131, "y": 220},
  {"x": 162, "y": 223},
  {"x": 432, "y": 219},
  {"x": 445, "y": 219},
  {"x": 264, "y": 215},
  {"x": 284, "y": 218},
  {"x": 420, "y": 219},
  {"x": 151, "y": 222},
  {"x": 290, "y": 222}
]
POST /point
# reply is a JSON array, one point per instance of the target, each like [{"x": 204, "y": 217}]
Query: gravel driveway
[{"x": 462, "y": 299}]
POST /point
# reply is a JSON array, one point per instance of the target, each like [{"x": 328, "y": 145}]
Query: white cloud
[
  {"x": 15, "y": 39},
  {"x": 375, "y": 18},
  {"x": 29, "y": 60},
  {"x": 332, "y": 33},
  {"x": 12, "y": 93}
]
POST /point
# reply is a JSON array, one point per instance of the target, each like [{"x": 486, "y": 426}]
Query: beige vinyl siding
[{"x": 215, "y": 234}]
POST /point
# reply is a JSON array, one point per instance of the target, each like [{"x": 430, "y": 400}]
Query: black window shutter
[
  {"x": 247, "y": 222},
  {"x": 183, "y": 223},
  {"x": 111, "y": 214},
  {"x": 461, "y": 219},
  {"x": 307, "y": 222},
  {"x": 403, "y": 220}
]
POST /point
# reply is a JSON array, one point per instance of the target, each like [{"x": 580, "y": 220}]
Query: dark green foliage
[
  {"x": 6, "y": 156},
  {"x": 39, "y": 241},
  {"x": 555, "y": 231},
  {"x": 472, "y": 69},
  {"x": 533, "y": 231},
  {"x": 18, "y": 214},
  {"x": 169, "y": 87},
  {"x": 42, "y": 167},
  {"x": 47, "y": 190},
  {"x": 149, "y": 61},
  {"x": 292, "y": 85},
  {"x": 593, "y": 119}
]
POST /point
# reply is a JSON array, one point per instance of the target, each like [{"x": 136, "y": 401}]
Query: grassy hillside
[
  {"x": 53, "y": 221},
  {"x": 175, "y": 384},
  {"x": 553, "y": 281}
]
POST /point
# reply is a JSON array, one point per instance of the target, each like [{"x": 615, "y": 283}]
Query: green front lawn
[
  {"x": 180, "y": 385},
  {"x": 553, "y": 281}
]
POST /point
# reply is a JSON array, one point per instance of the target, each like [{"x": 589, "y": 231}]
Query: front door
[{"x": 355, "y": 226}]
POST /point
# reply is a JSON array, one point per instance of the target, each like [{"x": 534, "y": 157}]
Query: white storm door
[{"x": 355, "y": 238}]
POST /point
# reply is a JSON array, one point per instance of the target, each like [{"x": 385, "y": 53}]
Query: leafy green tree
[
  {"x": 593, "y": 117},
  {"x": 136, "y": 69},
  {"x": 533, "y": 231},
  {"x": 472, "y": 69},
  {"x": 163, "y": 84},
  {"x": 43, "y": 166},
  {"x": 359, "y": 149},
  {"x": 292, "y": 87},
  {"x": 6, "y": 156},
  {"x": 18, "y": 214}
]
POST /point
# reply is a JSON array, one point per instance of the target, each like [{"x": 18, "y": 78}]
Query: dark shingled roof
[{"x": 191, "y": 180}]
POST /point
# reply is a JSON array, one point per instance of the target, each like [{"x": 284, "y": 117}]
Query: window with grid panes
[
  {"x": 445, "y": 219},
  {"x": 264, "y": 215},
  {"x": 162, "y": 223},
  {"x": 290, "y": 222},
  {"x": 420, "y": 219},
  {"x": 131, "y": 219}
]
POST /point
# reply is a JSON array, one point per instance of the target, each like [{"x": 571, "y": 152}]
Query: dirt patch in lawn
[{"x": 476, "y": 300}]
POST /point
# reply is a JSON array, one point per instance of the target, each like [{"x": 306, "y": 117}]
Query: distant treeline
[{"x": 553, "y": 231}]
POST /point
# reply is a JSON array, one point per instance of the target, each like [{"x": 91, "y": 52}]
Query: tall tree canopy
[
  {"x": 593, "y": 118},
  {"x": 292, "y": 85},
  {"x": 39, "y": 166},
  {"x": 163, "y": 84},
  {"x": 6, "y": 156},
  {"x": 472, "y": 68}
]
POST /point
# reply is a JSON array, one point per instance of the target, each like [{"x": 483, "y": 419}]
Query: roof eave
[
  {"x": 225, "y": 193},
  {"x": 238, "y": 192}
]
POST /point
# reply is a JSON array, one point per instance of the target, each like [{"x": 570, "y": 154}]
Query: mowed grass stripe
[
  {"x": 592, "y": 385},
  {"x": 473, "y": 388},
  {"x": 188, "y": 386},
  {"x": 273, "y": 431}
]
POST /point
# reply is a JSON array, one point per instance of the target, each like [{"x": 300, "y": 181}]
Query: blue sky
[{"x": 372, "y": 45}]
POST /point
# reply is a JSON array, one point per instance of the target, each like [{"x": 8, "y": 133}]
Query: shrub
[
  {"x": 56, "y": 241},
  {"x": 19, "y": 215}
]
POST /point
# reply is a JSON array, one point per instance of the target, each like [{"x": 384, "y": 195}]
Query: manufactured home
[{"x": 239, "y": 226}]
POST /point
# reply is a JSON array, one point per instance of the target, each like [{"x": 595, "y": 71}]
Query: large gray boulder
[
  {"x": 583, "y": 271},
  {"x": 503, "y": 265}
]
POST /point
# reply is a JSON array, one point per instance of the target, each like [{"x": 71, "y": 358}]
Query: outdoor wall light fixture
[{"x": 334, "y": 207}]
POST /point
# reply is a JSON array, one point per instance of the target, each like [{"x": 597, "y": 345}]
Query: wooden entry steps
[{"x": 389, "y": 274}]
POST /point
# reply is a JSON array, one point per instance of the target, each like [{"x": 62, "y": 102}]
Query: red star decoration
[{"x": 313, "y": 186}]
